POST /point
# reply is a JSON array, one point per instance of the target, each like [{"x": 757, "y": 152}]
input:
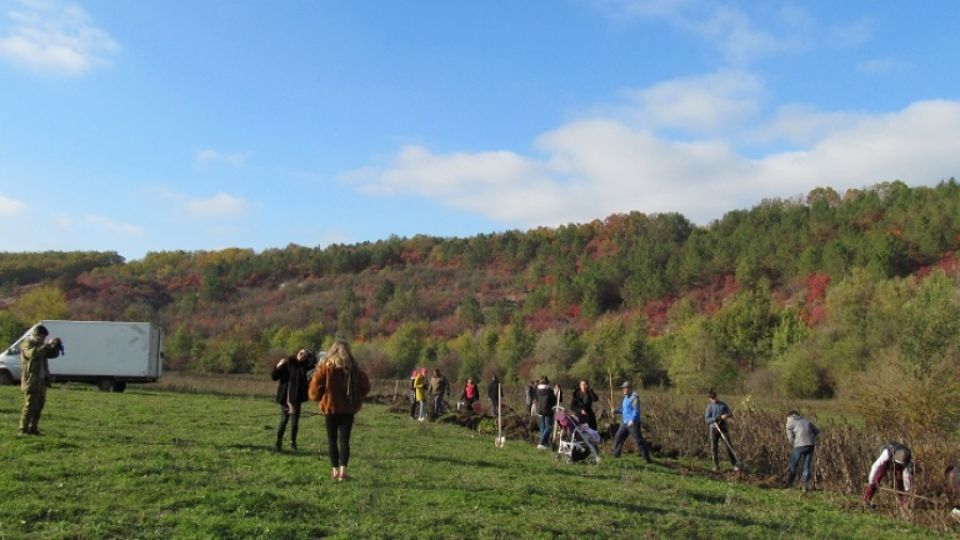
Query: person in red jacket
[
  {"x": 471, "y": 394},
  {"x": 339, "y": 386}
]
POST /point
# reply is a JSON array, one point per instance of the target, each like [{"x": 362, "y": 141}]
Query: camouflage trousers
[{"x": 33, "y": 401}]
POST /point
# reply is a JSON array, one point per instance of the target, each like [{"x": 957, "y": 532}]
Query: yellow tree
[{"x": 44, "y": 302}]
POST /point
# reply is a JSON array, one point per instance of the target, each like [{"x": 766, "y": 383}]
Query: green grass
[{"x": 149, "y": 464}]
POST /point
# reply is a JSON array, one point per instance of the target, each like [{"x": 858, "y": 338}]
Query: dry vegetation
[
  {"x": 845, "y": 450},
  {"x": 675, "y": 428}
]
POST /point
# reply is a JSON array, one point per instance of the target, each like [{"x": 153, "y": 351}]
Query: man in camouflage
[{"x": 35, "y": 377}]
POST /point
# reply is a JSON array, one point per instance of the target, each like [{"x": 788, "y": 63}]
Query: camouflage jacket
[{"x": 35, "y": 369}]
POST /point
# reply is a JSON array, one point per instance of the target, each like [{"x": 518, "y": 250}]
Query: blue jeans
[
  {"x": 546, "y": 427},
  {"x": 800, "y": 454},
  {"x": 422, "y": 410}
]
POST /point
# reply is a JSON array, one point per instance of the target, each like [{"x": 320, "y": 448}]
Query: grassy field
[{"x": 158, "y": 464}]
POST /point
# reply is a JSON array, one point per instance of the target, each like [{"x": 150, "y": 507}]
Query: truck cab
[{"x": 10, "y": 363}]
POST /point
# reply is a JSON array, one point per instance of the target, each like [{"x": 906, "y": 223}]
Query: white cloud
[
  {"x": 219, "y": 206},
  {"x": 917, "y": 145},
  {"x": 593, "y": 167},
  {"x": 54, "y": 37},
  {"x": 734, "y": 32},
  {"x": 466, "y": 181},
  {"x": 114, "y": 226},
  {"x": 10, "y": 207},
  {"x": 331, "y": 237},
  {"x": 700, "y": 104},
  {"x": 852, "y": 34},
  {"x": 208, "y": 156},
  {"x": 880, "y": 66},
  {"x": 801, "y": 125}
]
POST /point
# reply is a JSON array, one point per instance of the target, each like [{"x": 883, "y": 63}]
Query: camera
[{"x": 58, "y": 345}]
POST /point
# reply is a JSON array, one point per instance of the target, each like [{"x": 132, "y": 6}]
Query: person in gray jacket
[{"x": 802, "y": 435}]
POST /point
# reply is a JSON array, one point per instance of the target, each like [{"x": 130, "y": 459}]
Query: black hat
[{"x": 41, "y": 330}]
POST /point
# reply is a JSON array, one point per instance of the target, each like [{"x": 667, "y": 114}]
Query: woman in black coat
[
  {"x": 291, "y": 372},
  {"x": 582, "y": 404}
]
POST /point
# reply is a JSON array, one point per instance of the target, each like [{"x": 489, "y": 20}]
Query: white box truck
[{"x": 108, "y": 354}]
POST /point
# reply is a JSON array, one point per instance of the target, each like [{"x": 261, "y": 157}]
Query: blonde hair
[{"x": 340, "y": 356}]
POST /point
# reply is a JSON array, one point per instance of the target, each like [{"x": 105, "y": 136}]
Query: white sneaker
[{"x": 541, "y": 447}]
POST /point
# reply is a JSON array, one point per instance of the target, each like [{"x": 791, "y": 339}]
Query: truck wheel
[
  {"x": 119, "y": 386},
  {"x": 105, "y": 385},
  {"x": 5, "y": 378}
]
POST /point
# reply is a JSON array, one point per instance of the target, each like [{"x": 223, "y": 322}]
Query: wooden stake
[{"x": 610, "y": 379}]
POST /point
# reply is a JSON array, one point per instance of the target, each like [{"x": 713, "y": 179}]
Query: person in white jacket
[
  {"x": 802, "y": 435},
  {"x": 897, "y": 457}
]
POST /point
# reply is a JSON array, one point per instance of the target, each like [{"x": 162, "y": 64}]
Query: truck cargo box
[{"x": 107, "y": 353}]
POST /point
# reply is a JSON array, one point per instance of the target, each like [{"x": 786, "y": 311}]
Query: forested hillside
[{"x": 807, "y": 297}]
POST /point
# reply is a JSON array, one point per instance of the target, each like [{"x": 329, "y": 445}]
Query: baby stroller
[{"x": 577, "y": 441}]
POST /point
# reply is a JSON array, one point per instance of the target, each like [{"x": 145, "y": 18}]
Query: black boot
[{"x": 645, "y": 450}]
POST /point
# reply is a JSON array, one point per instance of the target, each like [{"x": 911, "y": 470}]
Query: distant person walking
[
  {"x": 420, "y": 393},
  {"x": 802, "y": 435},
  {"x": 439, "y": 388},
  {"x": 894, "y": 457},
  {"x": 716, "y": 416},
  {"x": 630, "y": 424},
  {"x": 530, "y": 395},
  {"x": 471, "y": 394},
  {"x": 582, "y": 404},
  {"x": 413, "y": 393},
  {"x": 291, "y": 374},
  {"x": 35, "y": 377},
  {"x": 493, "y": 393},
  {"x": 340, "y": 386},
  {"x": 546, "y": 401}
]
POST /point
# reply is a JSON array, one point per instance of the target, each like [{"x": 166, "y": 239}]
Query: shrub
[
  {"x": 800, "y": 375},
  {"x": 894, "y": 395}
]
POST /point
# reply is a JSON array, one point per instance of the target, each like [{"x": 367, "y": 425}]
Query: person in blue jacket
[
  {"x": 630, "y": 410},
  {"x": 716, "y": 417}
]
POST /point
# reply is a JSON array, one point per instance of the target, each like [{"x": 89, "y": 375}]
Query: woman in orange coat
[{"x": 340, "y": 387}]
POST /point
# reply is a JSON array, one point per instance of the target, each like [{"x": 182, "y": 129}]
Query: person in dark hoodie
[
  {"x": 291, "y": 376},
  {"x": 582, "y": 404},
  {"x": 546, "y": 401},
  {"x": 493, "y": 392},
  {"x": 340, "y": 386}
]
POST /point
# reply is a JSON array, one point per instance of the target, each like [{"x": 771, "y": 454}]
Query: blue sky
[{"x": 161, "y": 125}]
